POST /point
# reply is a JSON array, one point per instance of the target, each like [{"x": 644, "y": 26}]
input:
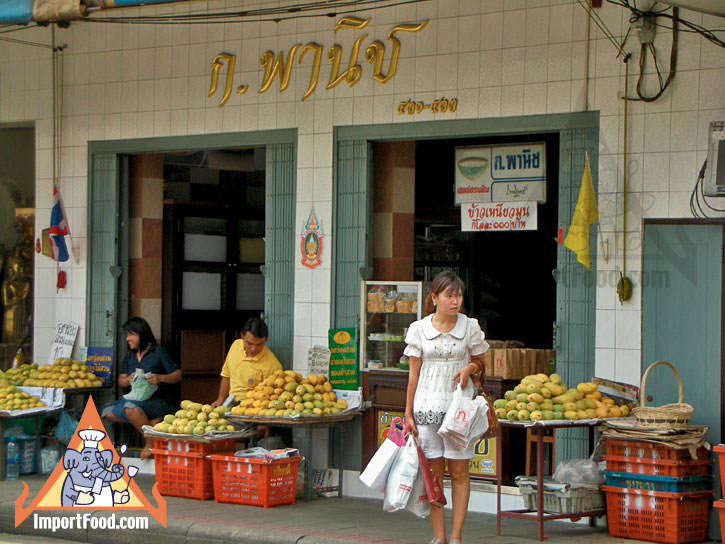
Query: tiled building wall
[
  {"x": 146, "y": 243},
  {"x": 497, "y": 57}
]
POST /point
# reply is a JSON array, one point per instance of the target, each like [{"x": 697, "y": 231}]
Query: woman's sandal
[{"x": 437, "y": 541}]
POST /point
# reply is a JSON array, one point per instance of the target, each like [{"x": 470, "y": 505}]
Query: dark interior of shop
[{"x": 510, "y": 286}]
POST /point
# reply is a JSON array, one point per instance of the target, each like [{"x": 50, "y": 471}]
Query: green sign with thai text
[{"x": 343, "y": 358}]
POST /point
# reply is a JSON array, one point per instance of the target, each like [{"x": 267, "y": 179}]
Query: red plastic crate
[
  {"x": 257, "y": 482},
  {"x": 183, "y": 474},
  {"x": 191, "y": 446},
  {"x": 649, "y": 450},
  {"x": 657, "y": 467},
  {"x": 674, "y": 518}
]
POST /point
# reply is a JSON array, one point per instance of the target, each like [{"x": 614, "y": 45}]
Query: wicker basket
[{"x": 669, "y": 416}]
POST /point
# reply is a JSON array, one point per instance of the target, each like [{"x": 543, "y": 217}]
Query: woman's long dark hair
[
  {"x": 442, "y": 282},
  {"x": 141, "y": 327}
]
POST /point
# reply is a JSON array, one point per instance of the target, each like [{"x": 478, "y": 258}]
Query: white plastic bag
[
  {"x": 418, "y": 501},
  {"x": 141, "y": 389},
  {"x": 578, "y": 471},
  {"x": 375, "y": 475},
  {"x": 466, "y": 418},
  {"x": 401, "y": 477}
]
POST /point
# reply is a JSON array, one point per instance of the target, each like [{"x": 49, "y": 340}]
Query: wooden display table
[
  {"x": 538, "y": 427},
  {"x": 308, "y": 423}
]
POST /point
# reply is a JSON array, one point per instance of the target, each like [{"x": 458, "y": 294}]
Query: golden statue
[{"x": 15, "y": 290}]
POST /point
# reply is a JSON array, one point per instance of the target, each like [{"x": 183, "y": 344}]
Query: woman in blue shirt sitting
[{"x": 160, "y": 370}]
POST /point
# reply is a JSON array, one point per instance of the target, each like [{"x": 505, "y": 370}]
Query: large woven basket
[{"x": 669, "y": 416}]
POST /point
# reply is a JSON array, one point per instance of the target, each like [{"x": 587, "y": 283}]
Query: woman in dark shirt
[{"x": 160, "y": 370}]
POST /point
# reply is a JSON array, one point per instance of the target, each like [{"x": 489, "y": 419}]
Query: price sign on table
[{"x": 65, "y": 337}]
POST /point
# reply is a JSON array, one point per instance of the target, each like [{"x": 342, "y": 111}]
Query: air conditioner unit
[
  {"x": 714, "y": 7},
  {"x": 714, "y": 182}
]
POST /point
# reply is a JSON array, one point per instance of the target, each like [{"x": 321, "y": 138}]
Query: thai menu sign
[
  {"x": 343, "y": 358},
  {"x": 501, "y": 173},
  {"x": 498, "y": 217}
]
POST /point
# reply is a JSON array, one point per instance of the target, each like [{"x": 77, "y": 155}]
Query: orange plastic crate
[
  {"x": 257, "y": 482},
  {"x": 648, "y": 450},
  {"x": 190, "y": 446},
  {"x": 657, "y": 467},
  {"x": 720, "y": 450},
  {"x": 720, "y": 506},
  {"x": 183, "y": 474},
  {"x": 675, "y": 518}
]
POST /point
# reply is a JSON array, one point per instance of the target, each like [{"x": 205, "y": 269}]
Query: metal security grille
[{"x": 280, "y": 248}]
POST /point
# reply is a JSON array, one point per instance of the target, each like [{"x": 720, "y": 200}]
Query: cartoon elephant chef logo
[
  {"x": 90, "y": 476},
  {"x": 90, "y": 473}
]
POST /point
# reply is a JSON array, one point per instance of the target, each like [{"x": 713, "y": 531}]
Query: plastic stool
[{"x": 549, "y": 438}]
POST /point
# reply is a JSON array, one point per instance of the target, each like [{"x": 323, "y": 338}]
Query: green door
[{"x": 681, "y": 317}]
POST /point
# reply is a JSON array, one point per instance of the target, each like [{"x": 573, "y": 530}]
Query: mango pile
[
  {"x": 542, "y": 397},
  {"x": 12, "y": 399},
  {"x": 63, "y": 373},
  {"x": 195, "y": 418},
  {"x": 288, "y": 394}
]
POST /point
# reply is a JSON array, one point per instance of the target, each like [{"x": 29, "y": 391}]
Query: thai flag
[{"x": 58, "y": 228}]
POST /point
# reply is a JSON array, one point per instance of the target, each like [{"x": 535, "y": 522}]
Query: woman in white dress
[{"x": 445, "y": 348}]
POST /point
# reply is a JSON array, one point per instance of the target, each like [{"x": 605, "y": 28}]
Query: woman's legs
[
  {"x": 460, "y": 492},
  {"x": 437, "y": 518}
]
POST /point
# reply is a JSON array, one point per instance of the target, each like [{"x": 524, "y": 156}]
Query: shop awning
[{"x": 45, "y": 11}]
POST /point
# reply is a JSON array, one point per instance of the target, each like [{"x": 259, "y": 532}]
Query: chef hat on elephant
[{"x": 91, "y": 437}]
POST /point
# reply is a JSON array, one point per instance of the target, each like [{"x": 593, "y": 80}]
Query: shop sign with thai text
[
  {"x": 343, "y": 358},
  {"x": 498, "y": 216},
  {"x": 501, "y": 173},
  {"x": 279, "y": 66}
]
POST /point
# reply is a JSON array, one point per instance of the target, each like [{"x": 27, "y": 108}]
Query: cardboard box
[{"x": 515, "y": 363}]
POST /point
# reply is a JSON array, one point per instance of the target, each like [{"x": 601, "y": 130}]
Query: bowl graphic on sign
[{"x": 472, "y": 167}]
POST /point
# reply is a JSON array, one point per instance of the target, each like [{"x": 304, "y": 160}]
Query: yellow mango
[{"x": 570, "y": 414}]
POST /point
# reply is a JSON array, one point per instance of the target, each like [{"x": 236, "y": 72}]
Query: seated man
[
  {"x": 248, "y": 362},
  {"x": 160, "y": 370}
]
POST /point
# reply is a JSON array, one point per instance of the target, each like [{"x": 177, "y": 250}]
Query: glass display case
[{"x": 387, "y": 308}]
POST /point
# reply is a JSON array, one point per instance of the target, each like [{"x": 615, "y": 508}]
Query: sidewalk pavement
[{"x": 319, "y": 521}]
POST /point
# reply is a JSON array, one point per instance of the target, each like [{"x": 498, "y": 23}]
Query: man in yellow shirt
[{"x": 248, "y": 362}]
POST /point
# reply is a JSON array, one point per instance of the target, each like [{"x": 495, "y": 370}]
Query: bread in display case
[{"x": 387, "y": 309}]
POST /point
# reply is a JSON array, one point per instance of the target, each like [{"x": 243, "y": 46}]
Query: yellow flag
[{"x": 585, "y": 214}]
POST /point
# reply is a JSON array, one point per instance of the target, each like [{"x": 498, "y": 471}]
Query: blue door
[{"x": 681, "y": 317}]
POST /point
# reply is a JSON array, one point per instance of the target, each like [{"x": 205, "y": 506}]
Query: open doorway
[
  {"x": 510, "y": 287},
  {"x": 196, "y": 248},
  {"x": 17, "y": 234}
]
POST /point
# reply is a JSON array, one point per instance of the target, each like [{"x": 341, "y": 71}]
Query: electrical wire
[
  {"x": 603, "y": 27},
  {"x": 643, "y": 61},
  {"x": 296, "y": 11},
  {"x": 708, "y": 34},
  {"x": 698, "y": 197}
]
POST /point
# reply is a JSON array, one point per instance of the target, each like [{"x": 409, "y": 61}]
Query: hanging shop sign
[
  {"x": 277, "y": 65},
  {"x": 501, "y": 173},
  {"x": 498, "y": 216},
  {"x": 343, "y": 358},
  {"x": 311, "y": 241}
]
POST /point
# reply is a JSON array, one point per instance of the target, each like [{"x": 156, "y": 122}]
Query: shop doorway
[
  {"x": 575, "y": 291},
  {"x": 17, "y": 234},
  {"x": 204, "y": 202}
]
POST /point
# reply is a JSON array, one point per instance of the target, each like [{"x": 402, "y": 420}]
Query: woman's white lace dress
[{"x": 442, "y": 354}]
